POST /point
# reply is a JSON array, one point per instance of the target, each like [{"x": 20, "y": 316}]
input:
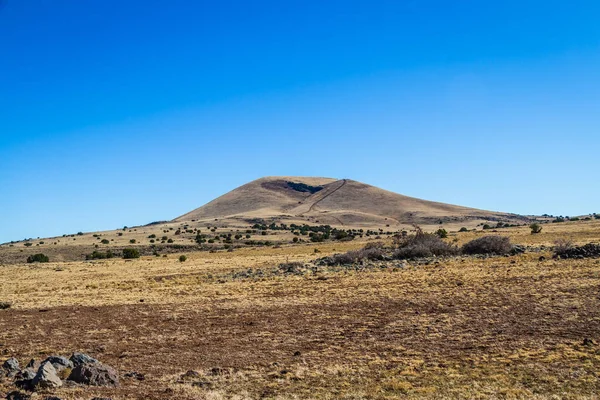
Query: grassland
[{"x": 500, "y": 327}]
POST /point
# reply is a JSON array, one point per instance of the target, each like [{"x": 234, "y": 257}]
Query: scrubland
[{"x": 214, "y": 327}]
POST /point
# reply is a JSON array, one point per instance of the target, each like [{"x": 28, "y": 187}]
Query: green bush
[
  {"x": 442, "y": 233},
  {"x": 131, "y": 253},
  {"x": 132, "y": 241},
  {"x": 535, "y": 228},
  {"x": 98, "y": 255},
  {"x": 182, "y": 258},
  {"x": 105, "y": 241},
  {"x": 463, "y": 229},
  {"x": 42, "y": 258}
]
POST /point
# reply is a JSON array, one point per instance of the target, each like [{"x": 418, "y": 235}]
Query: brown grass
[{"x": 502, "y": 327}]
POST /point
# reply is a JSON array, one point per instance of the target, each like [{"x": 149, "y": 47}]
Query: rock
[
  {"x": 11, "y": 367},
  {"x": 58, "y": 362},
  {"x": 26, "y": 374},
  {"x": 135, "y": 375},
  {"x": 96, "y": 374},
  {"x": 33, "y": 364},
  {"x": 81, "y": 359},
  {"x": 16, "y": 395},
  {"x": 46, "y": 377},
  {"x": 189, "y": 375}
]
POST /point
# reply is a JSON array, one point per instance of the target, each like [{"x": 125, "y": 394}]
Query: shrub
[
  {"x": 488, "y": 245},
  {"x": 562, "y": 246},
  {"x": 5, "y": 305},
  {"x": 42, "y": 258},
  {"x": 182, "y": 258},
  {"x": 463, "y": 229},
  {"x": 535, "y": 228},
  {"x": 28, "y": 244},
  {"x": 486, "y": 226},
  {"x": 131, "y": 253},
  {"x": 442, "y": 233},
  {"x": 170, "y": 241},
  {"x": 98, "y": 255},
  {"x": 422, "y": 245},
  {"x": 105, "y": 241}
]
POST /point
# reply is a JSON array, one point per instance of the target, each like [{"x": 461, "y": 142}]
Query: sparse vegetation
[{"x": 98, "y": 255}]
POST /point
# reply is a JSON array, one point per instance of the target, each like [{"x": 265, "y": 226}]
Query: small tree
[
  {"x": 42, "y": 258},
  {"x": 131, "y": 253},
  {"x": 535, "y": 228}
]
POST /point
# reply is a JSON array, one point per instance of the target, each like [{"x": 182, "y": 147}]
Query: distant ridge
[{"x": 335, "y": 202}]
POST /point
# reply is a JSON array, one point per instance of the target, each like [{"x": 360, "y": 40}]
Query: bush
[
  {"x": 562, "y": 246},
  {"x": 442, "y": 233},
  {"x": 132, "y": 241},
  {"x": 463, "y": 229},
  {"x": 105, "y": 241},
  {"x": 98, "y": 255},
  {"x": 42, "y": 258},
  {"x": 422, "y": 245},
  {"x": 182, "y": 258},
  {"x": 488, "y": 245},
  {"x": 4, "y": 305},
  {"x": 131, "y": 253},
  {"x": 535, "y": 228}
]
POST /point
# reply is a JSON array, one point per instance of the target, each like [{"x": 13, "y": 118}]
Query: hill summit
[{"x": 341, "y": 202}]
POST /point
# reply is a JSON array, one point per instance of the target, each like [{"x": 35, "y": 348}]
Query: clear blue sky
[{"x": 120, "y": 113}]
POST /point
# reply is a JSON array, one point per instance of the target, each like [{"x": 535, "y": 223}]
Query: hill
[{"x": 343, "y": 202}]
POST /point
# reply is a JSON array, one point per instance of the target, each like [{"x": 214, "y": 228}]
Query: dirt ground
[{"x": 500, "y": 327}]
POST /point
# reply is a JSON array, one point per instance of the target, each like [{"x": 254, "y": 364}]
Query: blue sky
[{"x": 120, "y": 113}]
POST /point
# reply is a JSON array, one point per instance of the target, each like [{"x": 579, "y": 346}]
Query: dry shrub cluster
[
  {"x": 488, "y": 245},
  {"x": 421, "y": 245}
]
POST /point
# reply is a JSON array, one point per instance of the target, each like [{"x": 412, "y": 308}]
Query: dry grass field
[{"x": 464, "y": 327}]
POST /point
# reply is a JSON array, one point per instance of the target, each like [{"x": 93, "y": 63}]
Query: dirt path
[{"x": 327, "y": 195}]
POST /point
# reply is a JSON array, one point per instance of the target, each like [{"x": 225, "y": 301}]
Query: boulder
[
  {"x": 11, "y": 367},
  {"x": 81, "y": 359},
  {"x": 58, "y": 362},
  {"x": 96, "y": 374},
  {"x": 46, "y": 377}
]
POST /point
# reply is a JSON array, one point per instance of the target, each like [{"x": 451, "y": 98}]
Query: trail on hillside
[{"x": 327, "y": 195}]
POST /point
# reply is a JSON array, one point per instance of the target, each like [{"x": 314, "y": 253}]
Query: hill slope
[{"x": 335, "y": 202}]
